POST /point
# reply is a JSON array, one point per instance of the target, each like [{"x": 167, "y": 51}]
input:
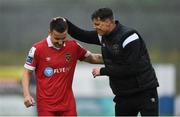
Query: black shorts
[{"x": 146, "y": 103}]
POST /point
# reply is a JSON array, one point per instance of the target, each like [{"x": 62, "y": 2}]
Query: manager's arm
[{"x": 90, "y": 37}]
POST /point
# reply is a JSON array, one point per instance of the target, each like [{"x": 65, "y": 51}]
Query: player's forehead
[{"x": 58, "y": 34}]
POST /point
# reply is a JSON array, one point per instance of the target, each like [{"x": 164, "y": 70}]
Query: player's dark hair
[
  {"x": 59, "y": 24},
  {"x": 103, "y": 14}
]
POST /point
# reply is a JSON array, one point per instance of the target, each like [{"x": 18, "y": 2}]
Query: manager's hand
[
  {"x": 29, "y": 101},
  {"x": 96, "y": 72}
]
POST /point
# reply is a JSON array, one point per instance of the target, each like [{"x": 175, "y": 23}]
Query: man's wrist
[
  {"x": 103, "y": 71},
  {"x": 26, "y": 95}
]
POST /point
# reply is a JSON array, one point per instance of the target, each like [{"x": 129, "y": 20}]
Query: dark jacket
[{"x": 129, "y": 68}]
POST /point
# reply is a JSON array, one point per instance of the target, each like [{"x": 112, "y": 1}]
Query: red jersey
[{"x": 54, "y": 70}]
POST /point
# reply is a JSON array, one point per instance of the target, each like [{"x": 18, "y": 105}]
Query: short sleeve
[
  {"x": 82, "y": 52},
  {"x": 31, "y": 59}
]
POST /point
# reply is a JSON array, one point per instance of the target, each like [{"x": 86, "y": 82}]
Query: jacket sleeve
[
  {"x": 132, "y": 53},
  {"x": 90, "y": 37}
]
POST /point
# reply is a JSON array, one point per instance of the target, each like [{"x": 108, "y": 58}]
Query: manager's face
[{"x": 103, "y": 27}]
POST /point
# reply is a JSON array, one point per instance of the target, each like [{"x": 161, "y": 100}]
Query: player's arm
[
  {"x": 28, "y": 99},
  {"x": 29, "y": 66},
  {"x": 94, "y": 58},
  {"x": 90, "y": 37}
]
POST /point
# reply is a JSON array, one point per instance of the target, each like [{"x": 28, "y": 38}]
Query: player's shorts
[{"x": 58, "y": 113}]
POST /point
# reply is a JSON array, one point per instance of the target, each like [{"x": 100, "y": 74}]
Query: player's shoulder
[
  {"x": 73, "y": 44},
  {"x": 40, "y": 43},
  {"x": 72, "y": 41},
  {"x": 37, "y": 47}
]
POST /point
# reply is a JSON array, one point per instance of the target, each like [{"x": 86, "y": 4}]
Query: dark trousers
[{"x": 145, "y": 102}]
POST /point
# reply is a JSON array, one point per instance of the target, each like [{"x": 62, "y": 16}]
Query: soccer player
[
  {"x": 127, "y": 63},
  {"x": 54, "y": 59}
]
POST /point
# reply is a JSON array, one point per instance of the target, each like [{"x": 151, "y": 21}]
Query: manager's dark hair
[
  {"x": 59, "y": 24},
  {"x": 103, "y": 14}
]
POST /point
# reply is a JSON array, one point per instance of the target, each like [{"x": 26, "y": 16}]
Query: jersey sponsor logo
[
  {"x": 68, "y": 56},
  {"x": 60, "y": 70},
  {"x": 29, "y": 60},
  {"x": 48, "y": 71}
]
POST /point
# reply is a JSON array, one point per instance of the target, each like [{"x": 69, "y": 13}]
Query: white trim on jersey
[
  {"x": 79, "y": 44},
  {"x": 87, "y": 54},
  {"x": 31, "y": 52},
  {"x": 49, "y": 41},
  {"x": 100, "y": 38},
  {"x": 29, "y": 67},
  {"x": 129, "y": 39},
  {"x": 50, "y": 44}
]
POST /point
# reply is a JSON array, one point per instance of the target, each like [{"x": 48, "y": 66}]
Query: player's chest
[{"x": 58, "y": 57}]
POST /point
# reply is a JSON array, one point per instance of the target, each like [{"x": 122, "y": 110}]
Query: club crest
[
  {"x": 116, "y": 49},
  {"x": 68, "y": 56}
]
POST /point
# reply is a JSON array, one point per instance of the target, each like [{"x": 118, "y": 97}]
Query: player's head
[
  {"x": 58, "y": 30},
  {"x": 103, "y": 20}
]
